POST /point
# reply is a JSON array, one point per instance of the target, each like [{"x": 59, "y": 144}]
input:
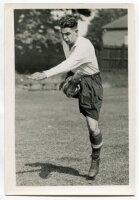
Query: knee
[{"x": 94, "y": 131}]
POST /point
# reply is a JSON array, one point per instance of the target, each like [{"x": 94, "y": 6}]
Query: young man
[{"x": 80, "y": 56}]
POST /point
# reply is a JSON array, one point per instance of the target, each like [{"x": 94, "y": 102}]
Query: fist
[{"x": 38, "y": 76}]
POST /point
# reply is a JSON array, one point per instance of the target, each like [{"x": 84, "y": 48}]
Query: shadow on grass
[{"x": 47, "y": 169}]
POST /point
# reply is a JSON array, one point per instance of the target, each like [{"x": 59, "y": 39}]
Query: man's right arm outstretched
[{"x": 38, "y": 76}]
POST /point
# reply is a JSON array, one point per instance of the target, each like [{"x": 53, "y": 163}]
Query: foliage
[
  {"x": 34, "y": 29},
  {"x": 102, "y": 17}
]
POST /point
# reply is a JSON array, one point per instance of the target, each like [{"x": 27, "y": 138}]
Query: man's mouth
[{"x": 67, "y": 42}]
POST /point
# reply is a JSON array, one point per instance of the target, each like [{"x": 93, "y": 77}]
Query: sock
[
  {"x": 96, "y": 153},
  {"x": 96, "y": 141}
]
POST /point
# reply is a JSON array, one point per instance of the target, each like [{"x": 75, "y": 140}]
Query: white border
[{"x": 11, "y": 188}]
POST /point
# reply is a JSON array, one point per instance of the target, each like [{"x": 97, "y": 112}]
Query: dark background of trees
[{"x": 38, "y": 40}]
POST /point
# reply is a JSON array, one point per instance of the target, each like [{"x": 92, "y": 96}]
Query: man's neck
[{"x": 71, "y": 45}]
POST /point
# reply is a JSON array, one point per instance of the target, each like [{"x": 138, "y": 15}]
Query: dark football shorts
[{"x": 91, "y": 95}]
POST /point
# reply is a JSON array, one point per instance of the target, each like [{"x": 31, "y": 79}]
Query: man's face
[{"x": 69, "y": 35}]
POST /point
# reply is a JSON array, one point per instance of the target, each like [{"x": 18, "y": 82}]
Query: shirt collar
[{"x": 78, "y": 39}]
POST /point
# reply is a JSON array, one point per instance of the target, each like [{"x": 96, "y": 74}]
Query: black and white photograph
[{"x": 70, "y": 87}]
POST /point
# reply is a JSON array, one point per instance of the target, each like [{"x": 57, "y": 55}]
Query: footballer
[{"x": 83, "y": 74}]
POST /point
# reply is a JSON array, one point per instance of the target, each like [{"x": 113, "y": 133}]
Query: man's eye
[{"x": 66, "y": 34}]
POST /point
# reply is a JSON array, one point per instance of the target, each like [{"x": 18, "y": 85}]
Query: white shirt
[{"x": 81, "y": 56}]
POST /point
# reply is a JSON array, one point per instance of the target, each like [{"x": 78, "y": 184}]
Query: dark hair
[{"x": 68, "y": 21}]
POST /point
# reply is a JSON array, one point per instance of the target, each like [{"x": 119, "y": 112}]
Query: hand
[
  {"x": 38, "y": 76},
  {"x": 76, "y": 78}
]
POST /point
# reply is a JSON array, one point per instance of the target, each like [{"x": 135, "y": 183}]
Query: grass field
[{"x": 52, "y": 141}]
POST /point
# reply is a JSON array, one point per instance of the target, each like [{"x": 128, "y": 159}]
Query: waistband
[
  {"x": 70, "y": 73},
  {"x": 91, "y": 75}
]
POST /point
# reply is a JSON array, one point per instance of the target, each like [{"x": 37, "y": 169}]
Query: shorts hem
[{"x": 89, "y": 115}]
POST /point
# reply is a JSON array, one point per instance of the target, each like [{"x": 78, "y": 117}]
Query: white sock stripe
[{"x": 97, "y": 146}]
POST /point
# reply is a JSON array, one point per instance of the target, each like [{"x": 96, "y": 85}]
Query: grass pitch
[{"x": 52, "y": 140}]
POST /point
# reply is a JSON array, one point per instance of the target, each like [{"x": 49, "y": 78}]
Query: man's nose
[{"x": 65, "y": 37}]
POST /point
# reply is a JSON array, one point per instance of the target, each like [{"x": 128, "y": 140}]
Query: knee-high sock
[{"x": 96, "y": 143}]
